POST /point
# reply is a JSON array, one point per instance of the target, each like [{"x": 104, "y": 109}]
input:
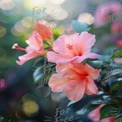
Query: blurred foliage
[{"x": 27, "y": 97}]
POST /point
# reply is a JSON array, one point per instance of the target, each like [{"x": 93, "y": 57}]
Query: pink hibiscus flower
[
  {"x": 34, "y": 48},
  {"x": 95, "y": 115},
  {"x": 72, "y": 48},
  {"x": 116, "y": 27},
  {"x": 118, "y": 60},
  {"x": 43, "y": 28},
  {"x": 74, "y": 80},
  {"x": 104, "y": 12},
  {"x": 119, "y": 43},
  {"x": 2, "y": 84}
]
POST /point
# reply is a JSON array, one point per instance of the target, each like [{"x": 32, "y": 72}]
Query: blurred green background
[{"x": 17, "y": 18}]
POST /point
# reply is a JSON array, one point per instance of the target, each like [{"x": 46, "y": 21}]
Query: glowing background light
[
  {"x": 2, "y": 31},
  {"x": 27, "y": 22},
  {"x": 15, "y": 33},
  {"x": 6, "y": 4},
  {"x": 57, "y": 1},
  {"x": 57, "y": 12},
  {"x": 86, "y": 17},
  {"x": 61, "y": 14},
  {"x": 30, "y": 107},
  {"x": 30, "y": 4}
]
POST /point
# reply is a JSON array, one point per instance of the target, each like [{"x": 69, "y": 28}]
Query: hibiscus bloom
[
  {"x": 95, "y": 115},
  {"x": 2, "y": 84},
  {"x": 118, "y": 60},
  {"x": 119, "y": 43},
  {"x": 116, "y": 27},
  {"x": 104, "y": 12},
  {"x": 43, "y": 28},
  {"x": 74, "y": 80},
  {"x": 72, "y": 48},
  {"x": 34, "y": 48}
]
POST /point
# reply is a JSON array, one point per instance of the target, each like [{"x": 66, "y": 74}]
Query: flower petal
[
  {"x": 57, "y": 58},
  {"x": 95, "y": 114},
  {"x": 93, "y": 73},
  {"x": 91, "y": 88},
  {"x": 27, "y": 57},
  {"x": 59, "y": 83},
  {"x": 79, "y": 59},
  {"x": 35, "y": 41},
  {"x": 87, "y": 40},
  {"x": 43, "y": 28},
  {"x": 76, "y": 93}
]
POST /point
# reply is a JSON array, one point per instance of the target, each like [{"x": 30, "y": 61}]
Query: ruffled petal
[
  {"x": 43, "y": 28},
  {"x": 95, "y": 114},
  {"x": 35, "y": 41},
  {"x": 27, "y": 57},
  {"x": 79, "y": 59},
  {"x": 93, "y": 73},
  {"x": 59, "y": 84},
  {"x": 87, "y": 40},
  {"x": 57, "y": 58},
  {"x": 91, "y": 88},
  {"x": 77, "y": 92}
]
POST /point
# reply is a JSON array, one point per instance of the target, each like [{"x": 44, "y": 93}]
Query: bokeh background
[{"x": 17, "y": 89}]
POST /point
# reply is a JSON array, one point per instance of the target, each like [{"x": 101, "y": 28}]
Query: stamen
[
  {"x": 69, "y": 46},
  {"x": 17, "y": 47}
]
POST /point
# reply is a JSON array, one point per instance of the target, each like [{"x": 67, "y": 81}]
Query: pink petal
[
  {"x": 118, "y": 60},
  {"x": 79, "y": 59},
  {"x": 95, "y": 114},
  {"x": 93, "y": 73},
  {"x": 57, "y": 58},
  {"x": 43, "y": 28},
  {"x": 76, "y": 93},
  {"x": 27, "y": 57},
  {"x": 59, "y": 44},
  {"x": 77, "y": 68},
  {"x": 35, "y": 41},
  {"x": 60, "y": 84},
  {"x": 87, "y": 40},
  {"x": 91, "y": 88},
  {"x": 109, "y": 119}
]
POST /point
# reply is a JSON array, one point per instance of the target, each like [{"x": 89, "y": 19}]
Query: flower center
[{"x": 69, "y": 46}]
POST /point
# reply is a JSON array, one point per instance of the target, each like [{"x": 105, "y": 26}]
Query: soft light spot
[
  {"x": 30, "y": 108},
  {"x": 2, "y": 31},
  {"x": 2, "y": 84},
  {"x": 30, "y": 4},
  {"x": 86, "y": 17},
  {"x": 57, "y": 2},
  {"x": 6, "y": 4},
  {"x": 27, "y": 22},
  {"x": 60, "y": 14}
]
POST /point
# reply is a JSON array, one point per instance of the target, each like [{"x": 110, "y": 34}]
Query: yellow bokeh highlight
[
  {"x": 30, "y": 108},
  {"x": 86, "y": 18},
  {"x": 30, "y": 4},
  {"x": 2, "y": 31}
]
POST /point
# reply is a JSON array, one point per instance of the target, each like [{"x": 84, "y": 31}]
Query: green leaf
[
  {"x": 117, "y": 54},
  {"x": 43, "y": 71},
  {"x": 79, "y": 27},
  {"x": 108, "y": 111},
  {"x": 115, "y": 72},
  {"x": 116, "y": 84},
  {"x": 87, "y": 108},
  {"x": 57, "y": 32},
  {"x": 38, "y": 74},
  {"x": 118, "y": 117},
  {"x": 71, "y": 102},
  {"x": 95, "y": 64}
]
